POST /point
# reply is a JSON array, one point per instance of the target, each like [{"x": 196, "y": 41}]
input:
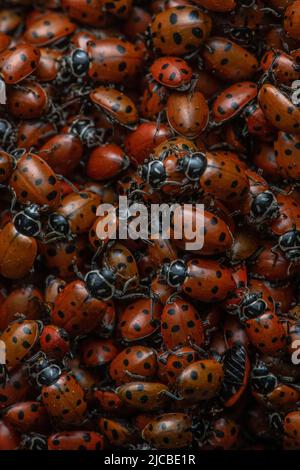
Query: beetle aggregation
[{"x": 134, "y": 343}]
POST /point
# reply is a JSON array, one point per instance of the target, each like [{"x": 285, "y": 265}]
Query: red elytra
[
  {"x": 118, "y": 8},
  {"x": 171, "y": 364},
  {"x": 75, "y": 311},
  {"x": 172, "y": 72},
  {"x": 97, "y": 352},
  {"x": 18, "y": 62},
  {"x": 114, "y": 60},
  {"x": 9, "y": 438},
  {"x": 54, "y": 341},
  {"x": 287, "y": 155},
  {"x": 17, "y": 388},
  {"x": 63, "y": 152},
  {"x": 28, "y": 102},
  {"x": 34, "y": 181},
  {"x": 282, "y": 66},
  {"x": 87, "y": 12},
  {"x": 169, "y": 431},
  {"x": 48, "y": 29},
  {"x": 76, "y": 440},
  {"x": 26, "y": 299},
  {"x": 187, "y": 113},
  {"x": 134, "y": 362},
  {"x": 144, "y": 396},
  {"x": 181, "y": 325},
  {"x": 136, "y": 322},
  {"x": 140, "y": 143},
  {"x": 28, "y": 416},
  {"x": 17, "y": 252},
  {"x": 106, "y": 162},
  {"x": 116, "y": 432},
  {"x": 266, "y": 333},
  {"x": 228, "y": 60},
  {"x": 19, "y": 338},
  {"x": 233, "y": 100},
  {"x": 179, "y": 30}
]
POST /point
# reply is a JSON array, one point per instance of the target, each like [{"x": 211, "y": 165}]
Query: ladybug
[
  {"x": 18, "y": 62},
  {"x": 279, "y": 109},
  {"x": 114, "y": 60},
  {"x": 118, "y": 8},
  {"x": 181, "y": 325},
  {"x": 117, "y": 432},
  {"x": 169, "y": 431},
  {"x": 172, "y": 72},
  {"x": 51, "y": 28},
  {"x": 75, "y": 215},
  {"x": 218, "y": 237},
  {"x": 267, "y": 390},
  {"x": 270, "y": 265},
  {"x": 139, "y": 320},
  {"x": 171, "y": 363},
  {"x": 153, "y": 102},
  {"x": 28, "y": 416},
  {"x": 266, "y": 333},
  {"x": 16, "y": 389},
  {"x": 19, "y": 338},
  {"x": 280, "y": 66},
  {"x": 286, "y": 149},
  {"x": 234, "y": 333},
  {"x": 18, "y": 249},
  {"x": 257, "y": 124},
  {"x": 28, "y": 102},
  {"x": 76, "y": 310},
  {"x": 76, "y": 440},
  {"x": 34, "y": 181},
  {"x": 161, "y": 251},
  {"x": 187, "y": 113},
  {"x": 97, "y": 352},
  {"x": 291, "y": 423},
  {"x": 33, "y": 134},
  {"x": 201, "y": 380},
  {"x": 236, "y": 365},
  {"x": 4, "y": 41},
  {"x": 6, "y": 166},
  {"x": 228, "y": 60},
  {"x": 178, "y": 31},
  {"x": 134, "y": 362},
  {"x": 49, "y": 64},
  {"x": 62, "y": 152},
  {"x": 10, "y": 20},
  {"x": 116, "y": 106},
  {"x": 287, "y": 227},
  {"x": 291, "y": 20},
  {"x": 59, "y": 257},
  {"x": 248, "y": 303},
  {"x": 108, "y": 400},
  {"x": 106, "y": 162},
  {"x": 71, "y": 407},
  {"x": 118, "y": 276},
  {"x": 89, "y": 12},
  {"x": 201, "y": 279},
  {"x": 9, "y": 438},
  {"x": 140, "y": 143},
  {"x": 231, "y": 101},
  {"x": 54, "y": 342},
  {"x": 144, "y": 396},
  {"x": 222, "y": 434}
]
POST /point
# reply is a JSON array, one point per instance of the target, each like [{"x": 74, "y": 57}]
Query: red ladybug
[
  {"x": 28, "y": 416},
  {"x": 172, "y": 363},
  {"x": 76, "y": 311},
  {"x": 233, "y": 100},
  {"x": 286, "y": 149},
  {"x": 34, "y": 181},
  {"x": 145, "y": 396},
  {"x": 172, "y": 72},
  {"x": 106, "y": 162},
  {"x": 139, "y": 320},
  {"x": 30, "y": 101},
  {"x": 50, "y": 28},
  {"x": 169, "y": 431},
  {"x": 55, "y": 342},
  {"x": 62, "y": 152},
  {"x": 114, "y": 60},
  {"x": 181, "y": 325},
  {"x": 116, "y": 106},
  {"x": 187, "y": 113},
  {"x": 118, "y": 8},
  {"x": 117, "y": 432},
  {"x": 200, "y": 380},
  {"x": 140, "y": 143},
  {"x": 266, "y": 333},
  {"x": 134, "y": 362},
  {"x": 86, "y": 12},
  {"x": 16, "y": 389},
  {"x": 179, "y": 30},
  {"x": 75, "y": 440},
  {"x": 228, "y": 60},
  {"x": 201, "y": 279},
  {"x": 97, "y": 352},
  {"x": 18, "y": 62},
  {"x": 71, "y": 406}
]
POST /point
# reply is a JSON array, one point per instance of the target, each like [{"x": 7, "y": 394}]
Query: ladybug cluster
[{"x": 145, "y": 343}]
